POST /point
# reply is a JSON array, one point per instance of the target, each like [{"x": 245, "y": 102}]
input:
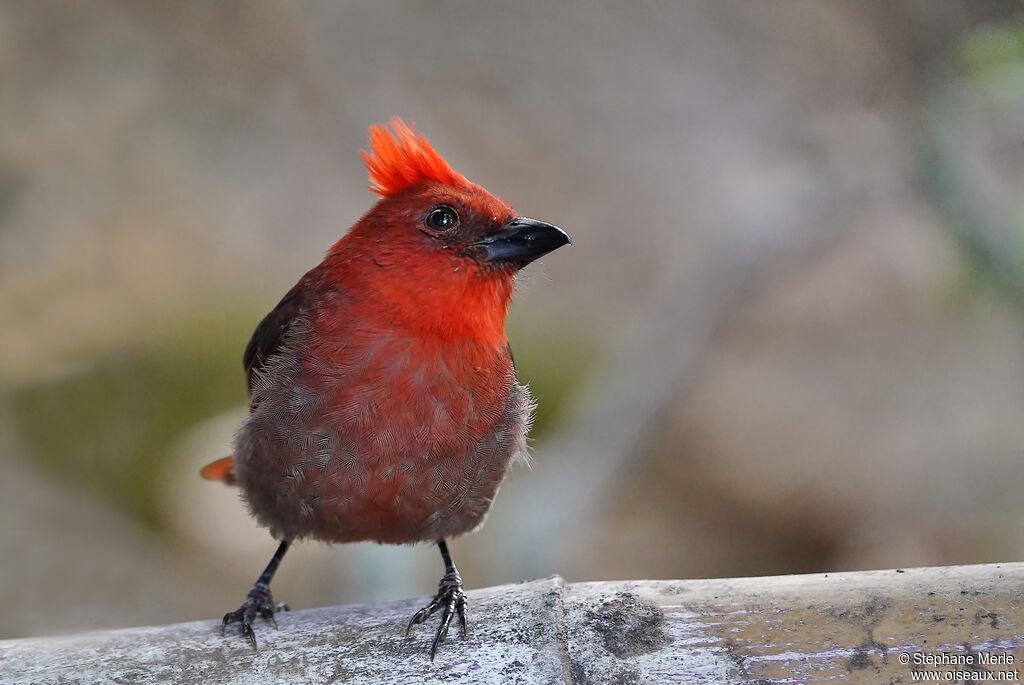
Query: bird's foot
[
  {"x": 259, "y": 602},
  {"x": 452, "y": 599}
]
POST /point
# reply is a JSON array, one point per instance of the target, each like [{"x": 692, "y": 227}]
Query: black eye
[{"x": 442, "y": 218}]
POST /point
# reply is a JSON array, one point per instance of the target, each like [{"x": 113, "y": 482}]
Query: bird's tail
[{"x": 223, "y": 470}]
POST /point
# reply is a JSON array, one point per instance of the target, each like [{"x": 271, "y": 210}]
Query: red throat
[{"x": 433, "y": 300}]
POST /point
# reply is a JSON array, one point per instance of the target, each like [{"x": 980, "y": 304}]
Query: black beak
[{"x": 521, "y": 241}]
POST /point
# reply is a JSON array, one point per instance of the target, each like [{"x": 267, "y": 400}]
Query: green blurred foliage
[
  {"x": 993, "y": 60},
  {"x": 988, "y": 225},
  {"x": 554, "y": 363},
  {"x": 113, "y": 423}
]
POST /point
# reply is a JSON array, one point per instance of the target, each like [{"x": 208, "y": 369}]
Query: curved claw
[
  {"x": 250, "y": 634},
  {"x": 461, "y": 608},
  {"x": 442, "y": 630},
  {"x": 423, "y": 614},
  {"x": 259, "y": 602}
]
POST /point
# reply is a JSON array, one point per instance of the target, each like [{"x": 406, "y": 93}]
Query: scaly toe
[
  {"x": 451, "y": 597},
  {"x": 259, "y": 602}
]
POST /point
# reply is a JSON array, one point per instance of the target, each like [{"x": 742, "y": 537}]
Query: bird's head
[{"x": 441, "y": 250}]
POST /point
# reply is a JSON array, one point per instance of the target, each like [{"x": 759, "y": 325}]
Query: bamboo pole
[{"x": 856, "y": 627}]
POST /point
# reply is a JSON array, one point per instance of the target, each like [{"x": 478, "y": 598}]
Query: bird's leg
[
  {"x": 450, "y": 597},
  {"x": 259, "y": 602}
]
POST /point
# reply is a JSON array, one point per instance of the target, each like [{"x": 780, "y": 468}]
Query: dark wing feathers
[{"x": 270, "y": 334}]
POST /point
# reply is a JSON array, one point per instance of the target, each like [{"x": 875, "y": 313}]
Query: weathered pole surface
[{"x": 838, "y": 627}]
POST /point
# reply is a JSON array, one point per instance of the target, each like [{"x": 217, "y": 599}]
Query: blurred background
[{"x": 788, "y": 337}]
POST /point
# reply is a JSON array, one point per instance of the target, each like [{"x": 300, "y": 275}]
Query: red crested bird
[{"x": 384, "y": 403}]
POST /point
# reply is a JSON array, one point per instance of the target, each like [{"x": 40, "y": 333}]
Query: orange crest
[{"x": 403, "y": 158}]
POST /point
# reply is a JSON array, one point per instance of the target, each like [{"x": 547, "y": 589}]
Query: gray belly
[{"x": 313, "y": 466}]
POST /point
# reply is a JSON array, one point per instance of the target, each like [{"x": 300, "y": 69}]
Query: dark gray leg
[{"x": 259, "y": 602}]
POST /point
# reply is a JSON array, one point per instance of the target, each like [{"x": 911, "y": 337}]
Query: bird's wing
[
  {"x": 266, "y": 341},
  {"x": 270, "y": 334}
]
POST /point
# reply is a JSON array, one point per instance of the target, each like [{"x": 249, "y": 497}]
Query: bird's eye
[{"x": 442, "y": 218}]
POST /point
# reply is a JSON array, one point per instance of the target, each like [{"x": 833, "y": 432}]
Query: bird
[{"x": 384, "y": 403}]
